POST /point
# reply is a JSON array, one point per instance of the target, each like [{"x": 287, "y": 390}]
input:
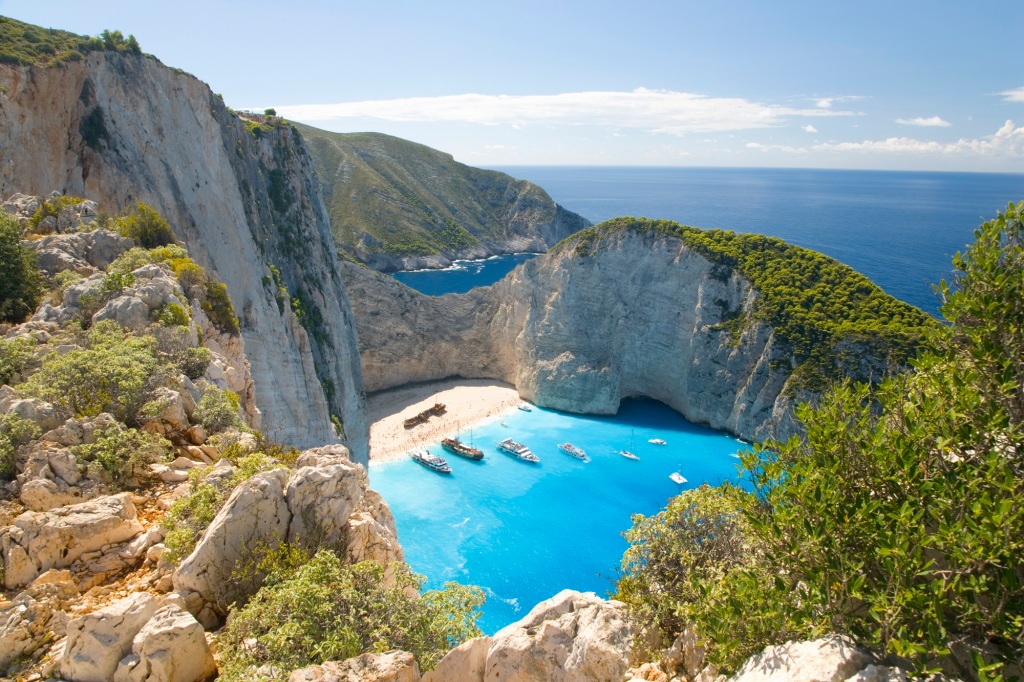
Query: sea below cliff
[{"x": 524, "y": 531}]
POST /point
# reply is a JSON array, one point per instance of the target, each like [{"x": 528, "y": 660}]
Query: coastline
[{"x": 468, "y": 401}]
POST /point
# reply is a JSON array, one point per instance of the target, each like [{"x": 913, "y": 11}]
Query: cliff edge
[{"x": 121, "y": 128}]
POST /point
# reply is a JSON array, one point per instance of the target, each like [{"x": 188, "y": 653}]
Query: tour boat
[
  {"x": 518, "y": 450},
  {"x": 432, "y": 462},
  {"x": 525, "y": 407},
  {"x": 677, "y": 477},
  {"x": 457, "y": 447},
  {"x": 656, "y": 441},
  {"x": 573, "y": 451}
]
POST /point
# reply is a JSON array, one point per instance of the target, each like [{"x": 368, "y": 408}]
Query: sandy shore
[{"x": 469, "y": 402}]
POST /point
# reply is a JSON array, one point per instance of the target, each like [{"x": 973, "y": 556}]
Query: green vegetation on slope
[
  {"x": 896, "y": 518},
  {"x": 21, "y": 284},
  {"x": 26, "y": 44},
  {"x": 412, "y": 200},
  {"x": 812, "y": 301}
]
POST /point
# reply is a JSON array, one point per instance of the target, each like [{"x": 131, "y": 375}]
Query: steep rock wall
[
  {"x": 240, "y": 202},
  {"x": 641, "y": 316}
]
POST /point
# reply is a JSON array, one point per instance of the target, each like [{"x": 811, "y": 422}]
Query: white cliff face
[
  {"x": 641, "y": 316},
  {"x": 238, "y": 202}
]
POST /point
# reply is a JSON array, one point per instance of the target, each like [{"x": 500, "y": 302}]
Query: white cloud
[
  {"x": 931, "y": 122},
  {"x": 660, "y": 111},
  {"x": 1013, "y": 95},
  {"x": 809, "y": 128},
  {"x": 827, "y": 102},
  {"x": 1007, "y": 141},
  {"x": 775, "y": 148}
]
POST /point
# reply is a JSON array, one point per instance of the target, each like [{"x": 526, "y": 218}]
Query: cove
[{"x": 522, "y": 531}]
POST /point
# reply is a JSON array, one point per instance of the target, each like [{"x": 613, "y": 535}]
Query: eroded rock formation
[{"x": 643, "y": 315}]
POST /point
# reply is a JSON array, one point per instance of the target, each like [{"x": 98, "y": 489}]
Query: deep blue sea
[
  {"x": 523, "y": 532},
  {"x": 900, "y": 229}
]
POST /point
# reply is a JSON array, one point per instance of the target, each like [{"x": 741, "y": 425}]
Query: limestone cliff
[
  {"x": 398, "y": 205},
  {"x": 121, "y": 128},
  {"x": 639, "y": 314}
]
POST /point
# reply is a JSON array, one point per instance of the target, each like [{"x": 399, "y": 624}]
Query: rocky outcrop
[
  {"x": 393, "y": 666},
  {"x": 829, "y": 659},
  {"x": 572, "y": 637},
  {"x": 35, "y": 616},
  {"x": 39, "y": 541},
  {"x": 324, "y": 503},
  {"x": 465, "y": 663},
  {"x": 241, "y": 201},
  {"x": 643, "y": 315},
  {"x": 99, "y": 640},
  {"x": 170, "y": 647}
]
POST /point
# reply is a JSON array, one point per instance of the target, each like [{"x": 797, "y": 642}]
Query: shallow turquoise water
[{"x": 525, "y": 531}]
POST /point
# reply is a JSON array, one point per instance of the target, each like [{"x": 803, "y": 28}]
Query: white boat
[
  {"x": 517, "y": 450},
  {"x": 656, "y": 441},
  {"x": 525, "y": 407},
  {"x": 573, "y": 451},
  {"x": 677, "y": 477},
  {"x": 432, "y": 462},
  {"x": 628, "y": 455}
]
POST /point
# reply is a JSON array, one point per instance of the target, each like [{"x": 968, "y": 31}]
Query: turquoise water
[
  {"x": 463, "y": 275},
  {"x": 525, "y": 531}
]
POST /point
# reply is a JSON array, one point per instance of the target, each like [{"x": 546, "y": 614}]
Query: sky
[{"x": 903, "y": 85}]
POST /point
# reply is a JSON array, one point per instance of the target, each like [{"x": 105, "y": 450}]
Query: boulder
[
  {"x": 39, "y": 541},
  {"x": 99, "y": 640},
  {"x": 171, "y": 647},
  {"x": 170, "y": 408},
  {"x": 572, "y": 637},
  {"x": 254, "y": 514},
  {"x": 128, "y": 311},
  {"x": 371, "y": 532},
  {"x": 830, "y": 659},
  {"x": 103, "y": 246},
  {"x": 465, "y": 663},
  {"x": 35, "y": 410},
  {"x": 393, "y": 666},
  {"x": 322, "y": 494}
]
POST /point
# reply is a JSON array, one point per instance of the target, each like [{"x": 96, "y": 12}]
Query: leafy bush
[
  {"x": 146, "y": 226},
  {"x": 129, "y": 261},
  {"x": 898, "y": 515},
  {"x": 52, "y": 208},
  {"x": 21, "y": 283},
  {"x": 212, "y": 296},
  {"x": 61, "y": 281},
  {"x": 188, "y": 517},
  {"x": 14, "y": 431},
  {"x": 218, "y": 410},
  {"x": 172, "y": 315},
  {"x": 15, "y": 355},
  {"x": 93, "y": 129},
  {"x": 117, "y": 453},
  {"x": 217, "y": 306},
  {"x": 114, "y": 372},
  {"x": 325, "y": 610}
]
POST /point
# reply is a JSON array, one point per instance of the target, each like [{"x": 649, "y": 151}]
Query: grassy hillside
[
  {"x": 390, "y": 196},
  {"x": 25, "y": 44},
  {"x": 824, "y": 310}
]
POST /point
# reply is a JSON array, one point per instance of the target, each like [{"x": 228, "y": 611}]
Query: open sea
[{"x": 523, "y": 532}]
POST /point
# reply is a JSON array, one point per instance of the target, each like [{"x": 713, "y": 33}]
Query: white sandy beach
[{"x": 469, "y": 402}]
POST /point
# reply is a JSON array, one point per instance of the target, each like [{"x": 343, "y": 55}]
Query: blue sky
[{"x": 902, "y": 84}]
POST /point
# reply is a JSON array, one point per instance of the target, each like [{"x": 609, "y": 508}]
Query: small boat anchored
[
  {"x": 573, "y": 451},
  {"x": 656, "y": 441},
  {"x": 525, "y": 407},
  {"x": 677, "y": 477},
  {"x": 628, "y": 455},
  {"x": 517, "y": 450},
  {"x": 432, "y": 462},
  {"x": 457, "y": 447}
]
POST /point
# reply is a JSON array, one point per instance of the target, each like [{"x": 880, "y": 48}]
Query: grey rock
[{"x": 99, "y": 640}]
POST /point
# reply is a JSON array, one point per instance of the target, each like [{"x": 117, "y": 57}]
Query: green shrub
[
  {"x": 325, "y": 610},
  {"x": 114, "y": 372},
  {"x": 21, "y": 283},
  {"x": 146, "y": 226},
  {"x": 218, "y": 410},
  {"x": 15, "y": 354},
  {"x": 61, "y": 281},
  {"x": 188, "y": 517},
  {"x": 14, "y": 431},
  {"x": 93, "y": 129},
  {"x": 212, "y": 296},
  {"x": 129, "y": 261},
  {"x": 52, "y": 207},
  {"x": 217, "y": 306},
  {"x": 117, "y": 453}
]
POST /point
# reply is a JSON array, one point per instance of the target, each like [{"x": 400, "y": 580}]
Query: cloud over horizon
[
  {"x": 1013, "y": 94},
  {"x": 660, "y": 111},
  {"x": 1007, "y": 141},
  {"x": 930, "y": 122}
]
